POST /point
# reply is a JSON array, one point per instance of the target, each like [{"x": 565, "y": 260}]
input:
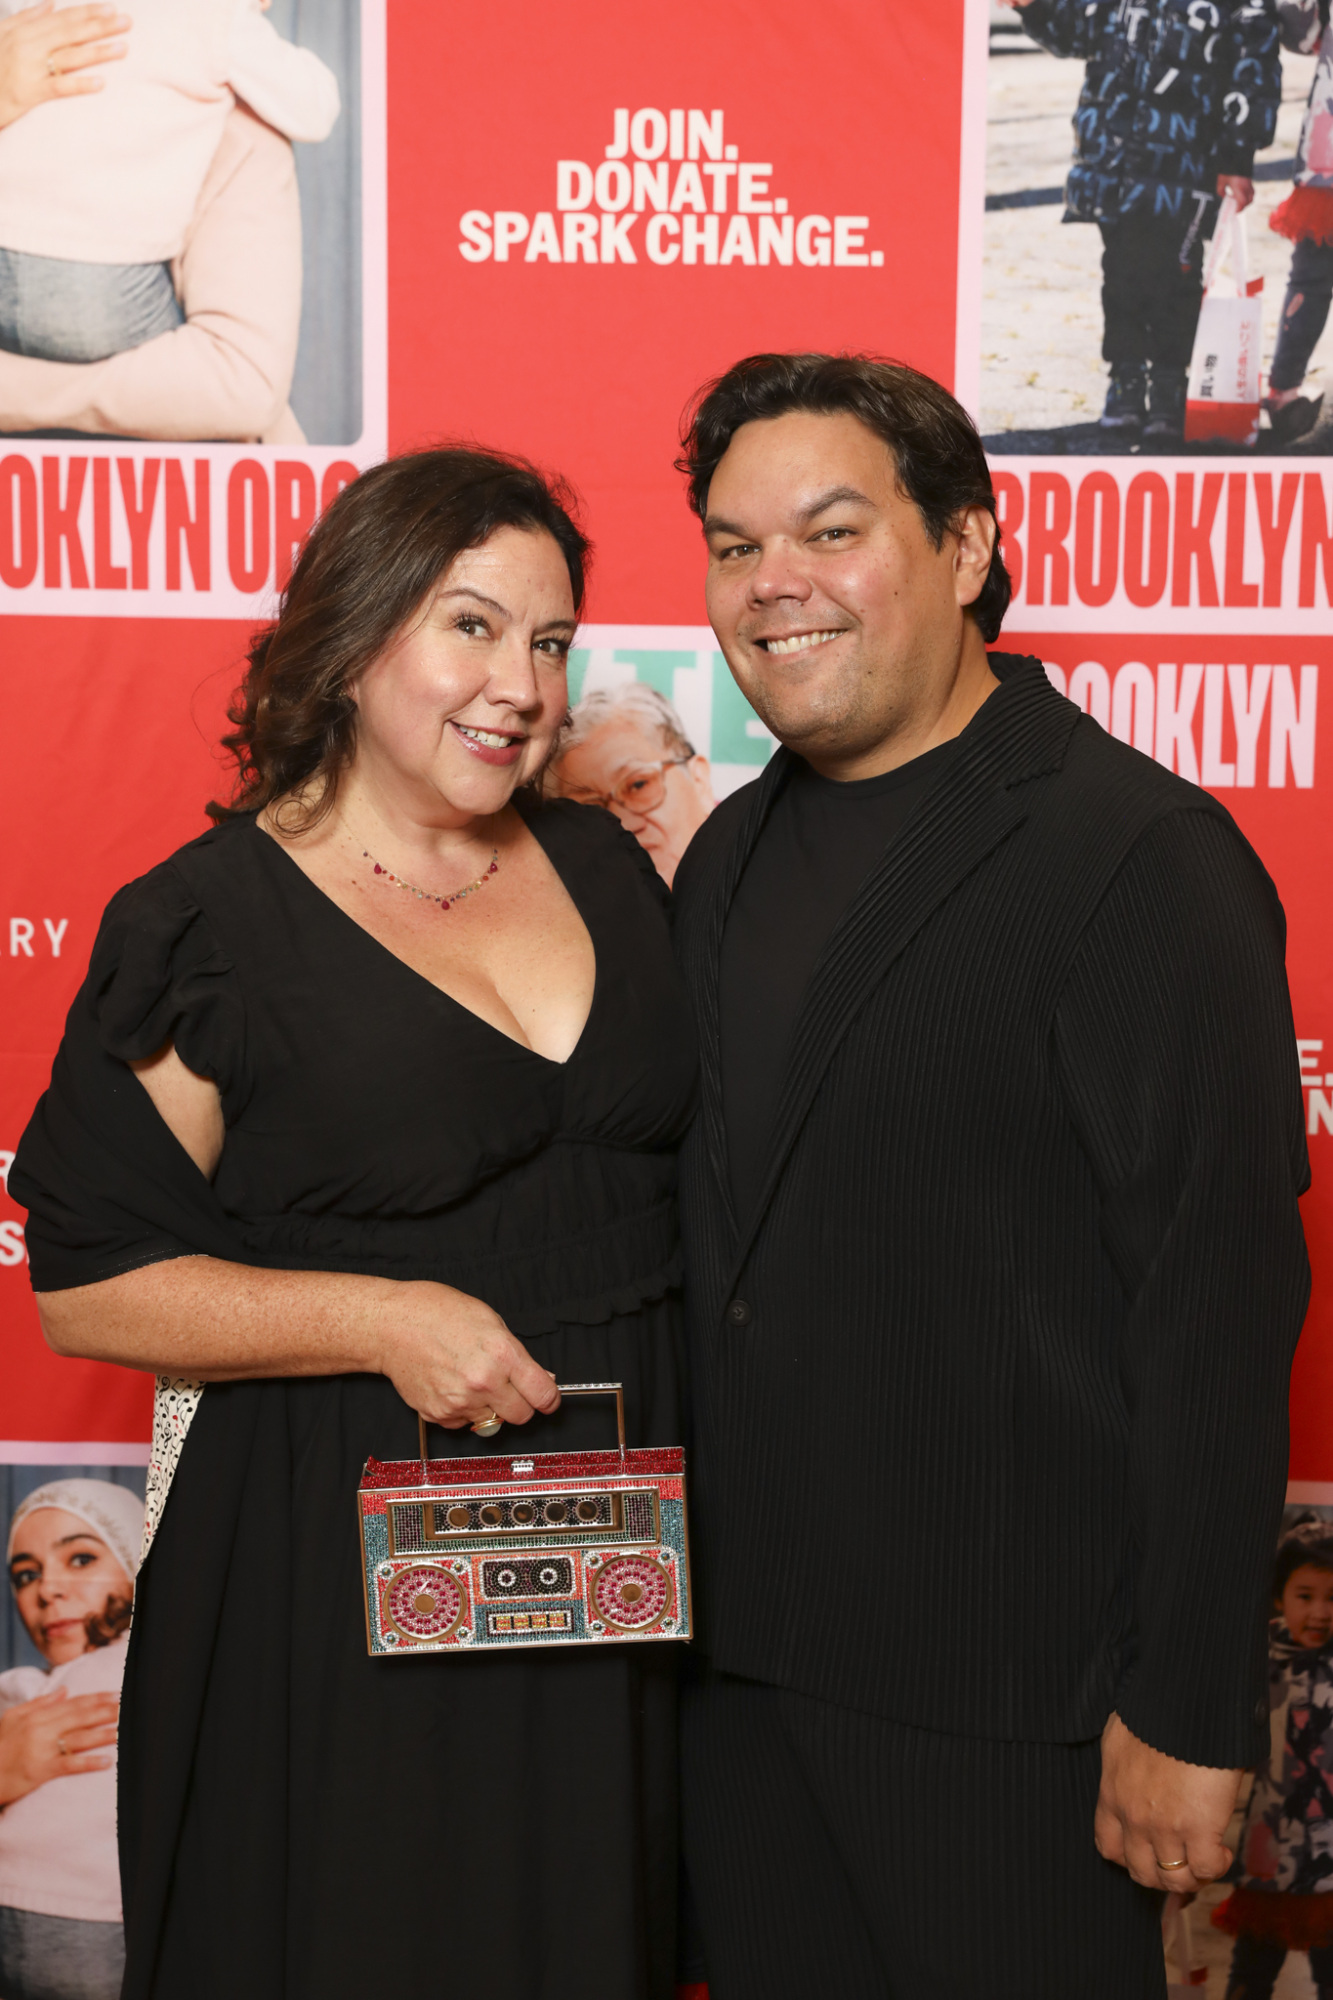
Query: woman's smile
[{"x": 492, "y": 746}]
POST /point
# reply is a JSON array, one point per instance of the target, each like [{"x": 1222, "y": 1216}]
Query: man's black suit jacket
[{"x": 991, "y": 1388}]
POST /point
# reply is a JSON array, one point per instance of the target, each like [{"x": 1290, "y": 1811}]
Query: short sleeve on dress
[
  {"x": 158, "y": 975},
  {"x": 107, "y": 1186}
]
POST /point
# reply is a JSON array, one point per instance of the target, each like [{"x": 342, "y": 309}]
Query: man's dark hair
[{"x": 941, "y": 465}]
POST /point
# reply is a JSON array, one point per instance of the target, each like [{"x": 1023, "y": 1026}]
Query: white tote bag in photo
[{"x": 1223, "y": 400}]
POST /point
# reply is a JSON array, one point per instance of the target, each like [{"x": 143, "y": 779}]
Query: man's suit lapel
[
  {"x": 1021, "y": 732},
  {"x": 716, "y": 893}
]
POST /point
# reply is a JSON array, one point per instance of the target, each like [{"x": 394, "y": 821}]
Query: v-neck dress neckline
[{"x": 532, "y": 825}]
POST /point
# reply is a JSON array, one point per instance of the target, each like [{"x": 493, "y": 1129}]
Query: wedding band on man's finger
[{"x": 1167, "y": 1866}]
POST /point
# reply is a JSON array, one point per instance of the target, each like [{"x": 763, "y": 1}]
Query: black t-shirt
[{"x": 820, "y": 841}]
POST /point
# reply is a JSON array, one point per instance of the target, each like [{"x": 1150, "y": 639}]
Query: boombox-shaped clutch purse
[{"x": 581, "y": 1548}]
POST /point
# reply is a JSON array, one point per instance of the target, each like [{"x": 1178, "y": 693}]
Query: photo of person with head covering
[
  {"x": 625, "y": 748},
  {"x": 162, "y": 249},
  {"x": 72, "y": 1554}
]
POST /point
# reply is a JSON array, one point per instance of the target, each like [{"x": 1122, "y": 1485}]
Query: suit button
[{"x": 738, "y": 1313}]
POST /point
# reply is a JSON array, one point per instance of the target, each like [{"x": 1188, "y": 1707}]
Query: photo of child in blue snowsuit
[{"x": 1177, "y": 98}]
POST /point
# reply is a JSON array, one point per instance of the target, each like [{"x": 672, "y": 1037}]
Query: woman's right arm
[{"x": 449, "y": 1355}]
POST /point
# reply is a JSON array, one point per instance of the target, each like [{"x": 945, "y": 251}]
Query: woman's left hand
[{"x": 43, "y": 54}]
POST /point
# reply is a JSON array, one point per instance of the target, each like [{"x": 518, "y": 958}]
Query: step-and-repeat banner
[
  {"x": 553, "y": 269},
  {"x": 543, "y": 229}
]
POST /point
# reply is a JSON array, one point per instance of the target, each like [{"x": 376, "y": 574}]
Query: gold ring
[
  {"x": 60, "y": 1747},
  {"x": 1172, "y": 1864},
  {"x": 488, "y": 1426},
  {"x": 51, "y": 68}
]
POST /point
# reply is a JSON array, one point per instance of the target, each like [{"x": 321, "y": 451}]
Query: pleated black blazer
[{"x": 991, "y": 1387}]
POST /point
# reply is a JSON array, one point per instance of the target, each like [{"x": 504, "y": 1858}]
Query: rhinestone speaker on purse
[{"x": 584, "y": 1548}]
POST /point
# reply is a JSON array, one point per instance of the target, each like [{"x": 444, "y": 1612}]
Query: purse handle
[{"x": 615, "y": 1389}]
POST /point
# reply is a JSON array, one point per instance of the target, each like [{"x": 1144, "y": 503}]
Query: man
[
  {"x": 1177, "y": 98},
  {"x": 625, "y": 749},
  {"x": 994, "y": 1263}
]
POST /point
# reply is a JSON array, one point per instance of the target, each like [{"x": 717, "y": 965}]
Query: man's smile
[{"x": 798, "y": 642}]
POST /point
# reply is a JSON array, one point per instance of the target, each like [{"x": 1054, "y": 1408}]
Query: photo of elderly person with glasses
[{"x": 625, "y": 748}]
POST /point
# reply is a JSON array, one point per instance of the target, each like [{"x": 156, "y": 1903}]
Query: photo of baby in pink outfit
[
  {"x": 97, "y": 191},
  {"x": 157, "y": 228}
]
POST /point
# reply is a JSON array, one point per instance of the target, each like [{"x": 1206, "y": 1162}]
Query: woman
[
  {"x": 73, "y": 1551},
  {"x": 411, "y": 1064}
]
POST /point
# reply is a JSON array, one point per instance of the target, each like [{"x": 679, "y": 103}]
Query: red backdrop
[{"x": 847, "y": 139}]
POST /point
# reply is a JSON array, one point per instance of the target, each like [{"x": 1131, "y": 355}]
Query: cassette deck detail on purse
[{"x": 541, "y": 1549}]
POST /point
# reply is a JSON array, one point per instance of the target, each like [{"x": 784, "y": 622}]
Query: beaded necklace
[{"x": 424, "y": 895}]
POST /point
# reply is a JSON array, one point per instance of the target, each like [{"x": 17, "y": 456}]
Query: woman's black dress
[{"x": 298, "y": 1819}]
